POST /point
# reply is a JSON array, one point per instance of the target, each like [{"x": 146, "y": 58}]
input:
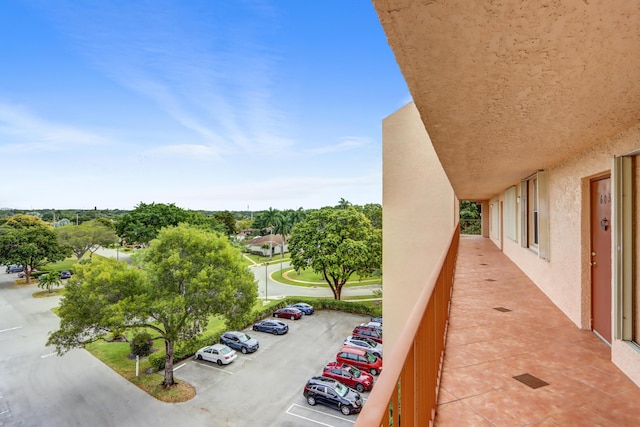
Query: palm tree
[
  {"x": 49, "y": 280},
  {"x": 284, "y": 224},
  {"x": 271, "y": 218},
  {"x": 343, "y": 203}
]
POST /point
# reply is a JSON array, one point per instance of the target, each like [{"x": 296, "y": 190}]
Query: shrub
[{"x": 141, "y": 344}]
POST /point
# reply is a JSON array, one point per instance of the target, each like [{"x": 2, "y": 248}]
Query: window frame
[{"x": 534, "y": 214}]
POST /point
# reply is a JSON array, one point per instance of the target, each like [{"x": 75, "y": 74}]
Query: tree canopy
[
  {"x": 28, "y": 241},
  {"x": 336, "y": 242},
  {"x": 188, "y": 275},
  {"x": 143, "y": 223},
  {"x": 227, "y": 219},
  {"x": 88, "y": 236}
]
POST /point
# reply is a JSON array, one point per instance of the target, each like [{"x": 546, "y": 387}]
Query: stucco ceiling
[{"x": 509, "y": 87}]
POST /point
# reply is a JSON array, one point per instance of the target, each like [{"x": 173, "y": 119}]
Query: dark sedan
[
  {"x": 288, "y": 312},
  {"x": 239, "y": 341},
  {"x": 276, "y": 327}
]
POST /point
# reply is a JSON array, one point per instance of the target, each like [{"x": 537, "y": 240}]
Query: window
[
  {"x": 510, "y": 213},
  {"x": 626, "y": 280},
  {"x": 534, "y": 213}
]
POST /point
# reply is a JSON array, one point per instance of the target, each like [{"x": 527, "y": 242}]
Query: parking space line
[
  {"x": 44, "y": 356},
  {"x": 10, "y": 329},
  {"x": 178, "y": 367},
  {"x": 306, "y": 408},
  {"x": 215, "y": 367}
]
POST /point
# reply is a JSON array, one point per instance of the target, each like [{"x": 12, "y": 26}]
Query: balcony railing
[{"x": 407, "y": 388}]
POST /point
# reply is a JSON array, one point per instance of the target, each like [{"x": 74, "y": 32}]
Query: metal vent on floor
[
  {"x": 530, "y": 380},
  {"x": 489, "y": 280},
  {"x": 502, "y": 309},
  {"x": 482, "y": 263}
]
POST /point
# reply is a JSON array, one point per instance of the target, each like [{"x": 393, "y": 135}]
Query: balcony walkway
[{"x": 486, "y": 348}]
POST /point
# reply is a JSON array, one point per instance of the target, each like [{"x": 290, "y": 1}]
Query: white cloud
[
  {"x": 23, "y": 131},
  {"x": 346, "y": 144},
  {"x": 215, "y": 79},
  {"x": 186, "y": 151}
]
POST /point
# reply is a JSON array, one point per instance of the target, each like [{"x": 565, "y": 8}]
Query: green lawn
[
  {"x": 66, "y": 264},
  {"x": 308, "y": 278}
]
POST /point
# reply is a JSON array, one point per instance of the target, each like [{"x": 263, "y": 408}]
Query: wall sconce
[{"x": 603, "y": 223}]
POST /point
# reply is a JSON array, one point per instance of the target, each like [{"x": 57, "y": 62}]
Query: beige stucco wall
[
  {"x": 419, "y": 215},
  {"x": 565, "y": 277}
]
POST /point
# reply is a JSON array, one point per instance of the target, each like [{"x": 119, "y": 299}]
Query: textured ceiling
[{"x": 509, "y": 87}]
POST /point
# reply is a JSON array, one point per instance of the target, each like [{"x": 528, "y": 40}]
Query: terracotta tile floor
[{"x": 486, "y": 348}]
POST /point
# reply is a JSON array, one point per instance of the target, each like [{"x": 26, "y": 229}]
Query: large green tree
[
  {"x": 227, "y": 219},
  {"x": 88, "y": 236},
  {"x": 188, "y": 276},
  {"x": 373, "y": 211},
  {"x": 336, "y": 242},
  {"x": 143, "y": 223},
  {"x": 28, "y": 241}
]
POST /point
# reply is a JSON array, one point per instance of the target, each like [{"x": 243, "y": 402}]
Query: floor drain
[
  {"x": 530, "y": 380},
  {"x": 489, "y": 280},
  {"x": 483, "y": 264},
  {"x": 502, "y": 309}
]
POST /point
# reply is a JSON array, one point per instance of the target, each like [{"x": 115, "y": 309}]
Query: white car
[
  {"x": 363, "y": 342},
  {"x": 219, "y": 353}
]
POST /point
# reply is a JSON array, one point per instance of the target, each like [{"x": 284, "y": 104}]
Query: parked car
[
  {"x": 349, "y": 376},
  {"x": 360, "y": 358},
  {"x": 366, "y": 343},
  {"x": 276, "y": 327},
  {"x": 239, "y": 341},
  {"x": 374, "y": 325},
  {"x": 377, "y": 319},
  {"x": 14, "y": 269},
  {"x": 332, "y": 393},
  {"x": 288, "y": 312},
  {"x": 23, "y": 273},
  {"x": 303, "y": 307},
  {"x": 65, "y": 274},
  {"x": 219, "y": 353},
  {"x": 368, "y": 332}
]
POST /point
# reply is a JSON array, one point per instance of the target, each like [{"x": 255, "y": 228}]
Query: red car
[
  {"x": 369, "y": 332},
  {"x": 288, "y": 312},
  {"x": 360, "y": 358},
  {"x": 349, "y": 376}
]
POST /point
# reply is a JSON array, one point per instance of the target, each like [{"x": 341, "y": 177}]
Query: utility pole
[{"x": 266, "y": 281}]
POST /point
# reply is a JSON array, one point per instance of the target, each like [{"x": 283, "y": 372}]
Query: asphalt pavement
[{"x": 39, "y": 388}]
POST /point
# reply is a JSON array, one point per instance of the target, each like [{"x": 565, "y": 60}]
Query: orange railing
[{"x": 407, "y": 388}]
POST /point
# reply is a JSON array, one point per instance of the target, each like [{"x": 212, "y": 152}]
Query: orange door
[{"x": 601, "y": 257}]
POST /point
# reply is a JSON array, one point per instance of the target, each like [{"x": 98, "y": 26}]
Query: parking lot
[{"x": 265, "y": 387}]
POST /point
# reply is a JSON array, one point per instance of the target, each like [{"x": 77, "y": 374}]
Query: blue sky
[{"x": 207, "y": 104}]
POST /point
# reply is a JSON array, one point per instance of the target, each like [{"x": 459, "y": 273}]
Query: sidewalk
[{"x": 502, "y": 326}]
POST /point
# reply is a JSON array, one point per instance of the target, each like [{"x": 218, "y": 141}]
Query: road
[
  {"x": 275, "y": 290},
  {"x": 39, "y": 388}
]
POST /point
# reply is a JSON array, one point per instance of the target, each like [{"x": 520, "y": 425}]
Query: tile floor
[{"x": 486, "y": 348}]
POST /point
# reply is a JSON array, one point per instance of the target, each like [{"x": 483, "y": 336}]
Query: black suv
[
  {"x": 333, "y": 393},
  {"x": 239, "y": 341}
]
